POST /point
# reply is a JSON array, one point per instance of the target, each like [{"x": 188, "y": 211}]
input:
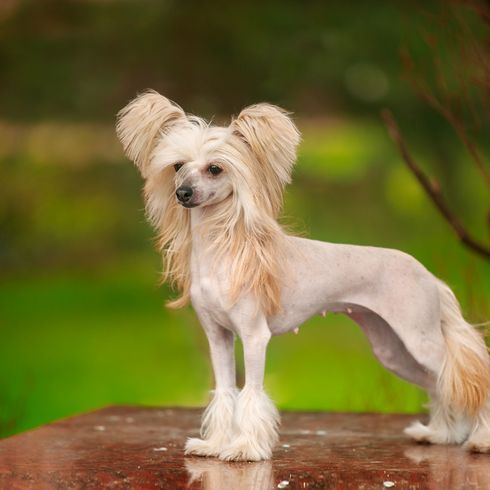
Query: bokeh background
[{"x": 82, "y": 319}]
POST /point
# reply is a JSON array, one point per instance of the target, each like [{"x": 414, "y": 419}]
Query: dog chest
[{"x": 207, "y": 296}]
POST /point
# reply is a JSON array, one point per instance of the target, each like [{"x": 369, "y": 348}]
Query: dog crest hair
[{"x": 260, "y": 146}]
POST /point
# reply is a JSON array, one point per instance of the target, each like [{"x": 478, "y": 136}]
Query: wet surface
[{"x": 134, "y": 447}]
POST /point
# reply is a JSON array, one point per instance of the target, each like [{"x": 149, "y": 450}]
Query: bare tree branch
[
  {"x": 432, "y": 188},
  {"x": 424, "y": 91}
]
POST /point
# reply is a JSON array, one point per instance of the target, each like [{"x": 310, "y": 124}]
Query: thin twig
[
  {"x": 422, "y": 88},
  {"x": 432, "y": 188}
]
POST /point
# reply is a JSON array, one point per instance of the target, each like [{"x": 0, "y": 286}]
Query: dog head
[{"x": 190, "y": 163}]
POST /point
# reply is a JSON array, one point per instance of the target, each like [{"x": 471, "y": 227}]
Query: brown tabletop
[{"x": 136, "y": 447}]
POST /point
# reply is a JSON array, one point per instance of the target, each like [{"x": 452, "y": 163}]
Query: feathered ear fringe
[
  {"x": 257, "y": 245},
  {"x": 257, "y": 264},
  {"x": 272, "y": 137},
  {"x": 140, "y": 123},
  {"x": 139, "y": 126},
  {"x": 174, "y": 240}
]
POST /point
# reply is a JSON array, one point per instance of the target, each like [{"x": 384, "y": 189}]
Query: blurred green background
[{"x": 82, "y": 320}]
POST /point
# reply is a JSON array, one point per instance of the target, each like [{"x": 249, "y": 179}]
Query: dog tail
[{"x": 464, "y": 379}]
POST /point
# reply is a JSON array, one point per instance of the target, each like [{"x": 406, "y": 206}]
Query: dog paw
[
  {"x": 478, "y": 444},
  {"x": 200, "y": 447},
  {"x": 419, "y": 432},
  {"x": 244, "y": 450},
  {"x": 424, "y": 434}
]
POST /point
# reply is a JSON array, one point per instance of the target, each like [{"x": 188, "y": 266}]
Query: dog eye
[
  {"x": 214, "y": 169},
  {"x": 178, "y": 165}
]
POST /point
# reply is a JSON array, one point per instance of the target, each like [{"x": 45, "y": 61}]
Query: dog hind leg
[
  {"x": 461, "y": 404},
  {"x": 479, "y": 440},
  {"x": 445, "y": 426}
]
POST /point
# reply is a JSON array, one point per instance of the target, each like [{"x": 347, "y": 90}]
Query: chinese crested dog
[{"x": 214, "y": 194}]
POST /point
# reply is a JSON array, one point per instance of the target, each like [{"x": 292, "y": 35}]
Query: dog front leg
[
  {"x": 256, "y": 419},
  {"x": 216, "y": 426}
]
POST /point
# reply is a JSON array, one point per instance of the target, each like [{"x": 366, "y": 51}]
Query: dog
[{"x": 213, "y": 195}]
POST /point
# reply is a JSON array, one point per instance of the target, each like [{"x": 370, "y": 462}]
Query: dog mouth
[{"x": 189, "y": 205}]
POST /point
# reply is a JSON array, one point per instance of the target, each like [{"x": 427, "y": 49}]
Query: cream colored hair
[{"x": 257, "y": 151}]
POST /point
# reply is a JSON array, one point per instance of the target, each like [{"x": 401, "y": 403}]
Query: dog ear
[
  {"x": 271, "y": 135},
  {"x": 140, "y": 123}
]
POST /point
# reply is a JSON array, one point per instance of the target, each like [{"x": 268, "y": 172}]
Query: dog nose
[{"x": 184, "y": 193}]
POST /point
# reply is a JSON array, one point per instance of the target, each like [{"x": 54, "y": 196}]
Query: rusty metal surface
[{"x": 135, "y": 447}]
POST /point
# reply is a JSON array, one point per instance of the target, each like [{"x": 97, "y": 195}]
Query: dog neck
[
  {"x": 196, "y": 220},
  {"x": 200, "y": 239},
  {"x": 198, "y": 226}
]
